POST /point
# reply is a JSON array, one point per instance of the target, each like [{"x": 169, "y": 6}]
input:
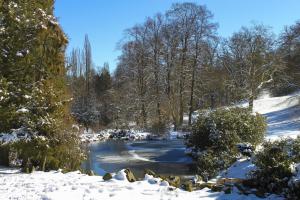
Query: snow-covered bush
[
  {"x": 217, "y": 133},
  {"x": 45, "y": 154},
  {"x": 275, "y": 166},
  {"x": 210, "y": 162}
]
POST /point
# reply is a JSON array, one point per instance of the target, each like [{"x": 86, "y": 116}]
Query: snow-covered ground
[
  {"x": 283, "y": 115},
  {"x": 57, "y": 186}
]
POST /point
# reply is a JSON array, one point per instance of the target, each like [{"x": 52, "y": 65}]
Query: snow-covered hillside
[
  {"x": 283, "y": 115},
  {"x": 283, "y": 118}
]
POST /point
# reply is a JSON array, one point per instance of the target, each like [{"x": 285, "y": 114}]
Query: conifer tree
[{"x": 33, "y": 80}]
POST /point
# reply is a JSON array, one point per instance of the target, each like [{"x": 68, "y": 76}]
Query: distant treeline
[{"x": 175, "y": 63}]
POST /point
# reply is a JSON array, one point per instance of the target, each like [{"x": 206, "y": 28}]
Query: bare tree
[{"x": 252, "y": 59}]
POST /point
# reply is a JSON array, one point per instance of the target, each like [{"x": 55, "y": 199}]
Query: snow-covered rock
[{"x": 121, "y": 175}]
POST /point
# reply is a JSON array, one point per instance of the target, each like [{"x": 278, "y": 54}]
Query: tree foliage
[{"x": 35, "y": 98}]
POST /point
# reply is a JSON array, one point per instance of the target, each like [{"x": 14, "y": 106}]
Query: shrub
[
  {"x": 209, "y": 163},
  {"x": 216, "y": 135},
  {"x": 44, "y": 154},
  {"x": 275, "y": 166},
  {"x": 4, "y": 155}
]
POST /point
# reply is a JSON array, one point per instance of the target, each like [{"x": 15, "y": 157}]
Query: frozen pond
[{"x": 165, "y": 157}]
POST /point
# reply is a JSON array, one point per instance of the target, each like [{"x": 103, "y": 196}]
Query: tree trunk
[
  {"x": 44, "y": 164},
  {"x": 191, "y": 108},
  {"x": 181, "y": 82},
  {"x": 144, "y": 116},
  {"x": 251, "y": 102}
]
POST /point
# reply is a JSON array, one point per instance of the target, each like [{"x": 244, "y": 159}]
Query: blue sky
[{"x": 105, "y": 20}]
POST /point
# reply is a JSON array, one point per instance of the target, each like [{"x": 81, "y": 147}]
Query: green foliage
[
  {"x": 216, "y": 134},
  {"x": 33, "y": 93},
  {"x": 45, "y": 154},
  {"x": 274, "y": 165},
  {"x": 103, "y": 81},
  {"x": 4, "y": 155},
  {"x": 223, "y": 128},
  {"x": 210, "y": 162}
]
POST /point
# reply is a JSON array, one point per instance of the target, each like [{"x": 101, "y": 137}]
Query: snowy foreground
[{"x": 57, "y": 186}]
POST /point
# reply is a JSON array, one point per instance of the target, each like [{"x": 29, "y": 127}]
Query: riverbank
[
  {"x": 55, "y": 185},
  {"x": 119, "y": 134}
]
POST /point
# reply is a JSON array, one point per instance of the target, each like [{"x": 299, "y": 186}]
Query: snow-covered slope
[
  {"x": 283, "y": 118},
  {"x": 283, "y": 115},
  {"x": 57, "y": 186}
]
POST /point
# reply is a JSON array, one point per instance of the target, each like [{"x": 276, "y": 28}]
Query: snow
[
  {"x": 16, "y": 135},
  {"x": 27, "y": 97},
  {"x": 121, "y": 176},
  {"x": 90, "y": 136},
  {"x": 23, "y": 110},
  {"x": 240, "y": 169},
  {"x": 283, "y": 115},
  {"x": 55, "y": 185},
  {"x": 178, "y": 135},
  {"x": 19, "y": 54},
  {"x": 294, "y": 182}
]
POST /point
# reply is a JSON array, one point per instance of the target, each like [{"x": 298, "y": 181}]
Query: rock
[
  {"x": 197, "y": 179},
  {"x": 171, "y": 188},
  {"x": 164, "y": 183},
  {"x": 129, "y": 175},
  {"x": 150, "y": 172},
  {"x": 260, "y": 194},
  {"x": 204, "y": 185},
  {"x": 229, "y": 181},
  {"x": 227, "y": 190},
  {"x": 153, "y": 181},
  {"x": 251, "y": 183},
  {"x": 242, "y": 189},
  {"x": 188, "y": 186},
  {"x": 90, "y": 173},
  {"x": 174, "y": 181},
  {"x": 217, "y": 188},
  {"x": 107, "y": 177}
]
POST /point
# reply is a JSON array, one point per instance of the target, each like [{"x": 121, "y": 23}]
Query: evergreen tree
[
  {"x": 103, "y": 80},
  {"x": 33, "y": 80}
]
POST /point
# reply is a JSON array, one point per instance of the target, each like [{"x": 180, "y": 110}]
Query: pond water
[{"x": 165, "y": 157}]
